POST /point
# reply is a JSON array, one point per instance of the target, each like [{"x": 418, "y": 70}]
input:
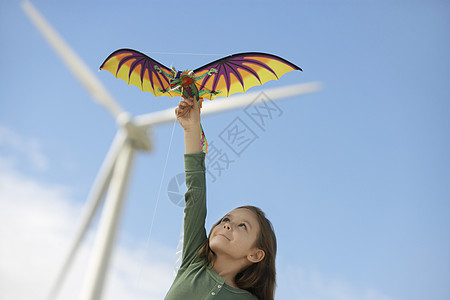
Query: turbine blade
[
  {"x": 273, "y": 94},
  {"x": 233, "y": 102},
  {"x": 72, "y": 60},
  {"x": 93, "y": 204}
]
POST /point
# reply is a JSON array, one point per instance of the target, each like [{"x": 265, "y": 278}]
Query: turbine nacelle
[{"x": 139, "y": 136}]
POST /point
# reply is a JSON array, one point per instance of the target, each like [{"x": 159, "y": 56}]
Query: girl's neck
[{"x": 226, "y": 268}]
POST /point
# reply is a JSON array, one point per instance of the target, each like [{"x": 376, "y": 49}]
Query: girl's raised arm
[{"x": 188, "y": 114}]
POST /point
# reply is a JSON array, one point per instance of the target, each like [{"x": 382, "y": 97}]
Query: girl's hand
[{"x": 188, "y": 114}]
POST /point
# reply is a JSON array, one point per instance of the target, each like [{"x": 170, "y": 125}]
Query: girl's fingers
[
  {"x": 182, "y": 111},
  {"x": 191, "y": 101},
  {"x": 185, "y": 105},
  {"x": 182, "y": 108}
]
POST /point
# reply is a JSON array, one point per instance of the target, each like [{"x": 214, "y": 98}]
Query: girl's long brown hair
[{"x": 259, "y": 278}]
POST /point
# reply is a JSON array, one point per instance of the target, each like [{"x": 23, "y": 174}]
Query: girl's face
[{"x": 235, "y": 236}]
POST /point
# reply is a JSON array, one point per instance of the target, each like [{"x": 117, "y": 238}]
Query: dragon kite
[{"x": 221, "y": 78}]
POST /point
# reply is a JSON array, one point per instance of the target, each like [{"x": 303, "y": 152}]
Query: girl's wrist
[
  {"x": 192, "y": 129},
  {"x": 192, "y": 137}
]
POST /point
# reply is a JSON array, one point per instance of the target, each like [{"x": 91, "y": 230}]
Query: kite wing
[
  {"x": 138, "y": 69},
  {"x": 239, "y": 72}
]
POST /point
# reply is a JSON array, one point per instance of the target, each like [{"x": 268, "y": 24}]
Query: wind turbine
[{"x": 112, "y": 179}]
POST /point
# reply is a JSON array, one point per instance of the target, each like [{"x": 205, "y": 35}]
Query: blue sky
[{"x": 355, "y": 178}]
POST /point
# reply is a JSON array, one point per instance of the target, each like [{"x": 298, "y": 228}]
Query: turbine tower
[{"x": 112, "y": 180}]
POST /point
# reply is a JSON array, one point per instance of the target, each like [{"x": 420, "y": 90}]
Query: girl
[{"x": 237, "y": 260}]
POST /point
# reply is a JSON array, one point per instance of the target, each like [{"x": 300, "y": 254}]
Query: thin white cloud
[
  {"x": 28, "y": 146},
  {"x": 37, "y": 223},
  {"x": 313, "y": 285}
]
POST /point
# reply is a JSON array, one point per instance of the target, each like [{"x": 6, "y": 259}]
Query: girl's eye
[
  {"x": 225, "y": 220},
  {"x": 243, "y": 226}
]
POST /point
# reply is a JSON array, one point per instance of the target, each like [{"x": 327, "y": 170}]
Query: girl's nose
[{"x": 227, "y": 226}]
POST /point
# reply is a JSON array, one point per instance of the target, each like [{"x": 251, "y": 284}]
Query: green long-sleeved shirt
[{"x": 195, "y": 281}]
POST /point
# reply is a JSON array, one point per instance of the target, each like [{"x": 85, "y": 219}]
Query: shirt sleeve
[{"x": 195, "y": 209}]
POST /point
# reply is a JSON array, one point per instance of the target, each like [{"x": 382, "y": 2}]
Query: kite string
[
  {"x": 186, "y": 53},
  {"x": 147, "y": 244}
]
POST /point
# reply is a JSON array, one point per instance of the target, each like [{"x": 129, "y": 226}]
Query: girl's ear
[{"x": 256, "y": 256}]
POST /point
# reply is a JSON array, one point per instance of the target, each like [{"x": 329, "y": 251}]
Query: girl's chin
[{"x": 216, "y": 244}]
